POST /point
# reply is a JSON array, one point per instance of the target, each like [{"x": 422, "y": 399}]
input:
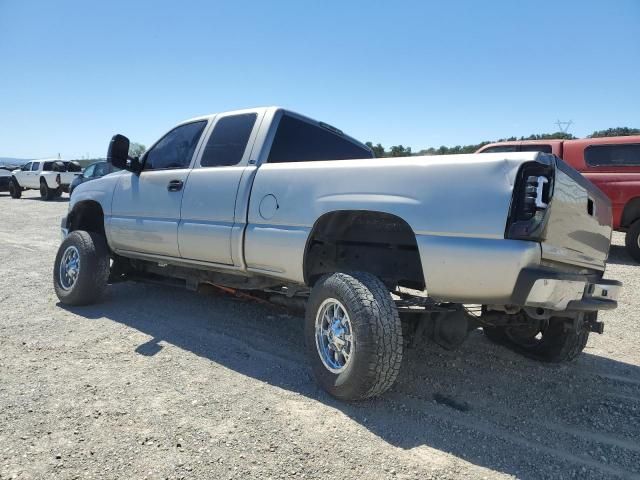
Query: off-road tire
[
  {"x": 15, "y": 190},
  {"x": 377, "y": 334},
  {"x": 91, "y": 282},
  {"x": 632, "y": 240},
  {"x": 46, "y": 193},
  {"x": 559, "y": 343}
]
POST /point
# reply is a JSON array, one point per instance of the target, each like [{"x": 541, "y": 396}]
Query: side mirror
[{"x": 118, "y": 152}]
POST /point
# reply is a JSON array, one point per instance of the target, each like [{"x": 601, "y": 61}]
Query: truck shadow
[
  {"x": 620, "y": 256},
  {"x": 53, "y": 200},
  {"x": 482, "y": 403}
]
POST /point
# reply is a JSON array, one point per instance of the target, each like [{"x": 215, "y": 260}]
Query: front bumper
[{"x": 565, "y": 291}]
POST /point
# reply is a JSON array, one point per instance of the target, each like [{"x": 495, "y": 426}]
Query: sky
[{"x": 416, "y": 73}]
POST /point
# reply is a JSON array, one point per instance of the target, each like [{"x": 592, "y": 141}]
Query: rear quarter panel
[{"x": 451, "y": 200}]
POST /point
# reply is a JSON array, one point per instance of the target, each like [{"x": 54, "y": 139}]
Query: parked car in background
[
  {"x": 92, "y": 172},
  {"x": 51, "y": 177},
  {"x": 611, "y": 163},
  {"x": 269, "y": 200},
  {"x": 5, "y": 177}
]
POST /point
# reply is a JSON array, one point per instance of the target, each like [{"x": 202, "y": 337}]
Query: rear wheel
[
  {"x": 46, "y": 193},
  {"x": 632, "y": 240},
  {"x": 14, "y": 189},
  {"x": 353, "y": 335},
  {"x": 555, "y": 340}
]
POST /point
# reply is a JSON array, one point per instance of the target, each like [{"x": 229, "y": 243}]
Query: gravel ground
[{"x": 159, "y": 383}]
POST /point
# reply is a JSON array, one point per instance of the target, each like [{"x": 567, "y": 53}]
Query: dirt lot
[{"x": 158, "y": 383}]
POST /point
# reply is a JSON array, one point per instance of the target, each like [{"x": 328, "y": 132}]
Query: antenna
[{"x": 564, "y": 126}]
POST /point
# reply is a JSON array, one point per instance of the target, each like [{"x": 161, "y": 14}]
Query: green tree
[
  {"x": 615, "y": 132},
  {"x": 378, "y": 150},
  {"x": 400, "y": 151},
  {"x": 136, "y": 149}
]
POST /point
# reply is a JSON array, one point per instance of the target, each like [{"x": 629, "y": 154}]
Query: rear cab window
[
  {"x": 297, "y": 140},
  {"x": 544, "y": 148},
  {"x": 530, "y": 147},
  {"x": 500, "y": 149}
]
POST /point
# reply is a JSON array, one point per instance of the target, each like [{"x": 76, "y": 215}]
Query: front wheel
[
  {"x": 632, "y": 240},
  {"x": 353, "y": 335},
  {"x": 81, "y": 268}
]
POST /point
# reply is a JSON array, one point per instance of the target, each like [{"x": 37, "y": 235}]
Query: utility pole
[{"x": 564, "y": 126}]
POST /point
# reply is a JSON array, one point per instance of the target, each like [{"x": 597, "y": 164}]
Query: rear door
[
  {"x": 146, "y": 207},
  {"x": 208, "y": 217}
]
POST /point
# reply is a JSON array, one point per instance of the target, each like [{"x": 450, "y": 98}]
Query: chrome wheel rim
[
  {"x": 69, "y": 267},
  {"x": 334, "y": 335}
]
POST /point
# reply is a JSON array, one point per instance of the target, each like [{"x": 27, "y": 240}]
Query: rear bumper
[{"x": 564, "y": 291}]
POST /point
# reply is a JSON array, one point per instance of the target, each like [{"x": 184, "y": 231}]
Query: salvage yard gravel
[{"x": 161, "y": 383}]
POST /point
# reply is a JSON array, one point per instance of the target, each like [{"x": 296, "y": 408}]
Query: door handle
[{"x": 175, "y": 185}]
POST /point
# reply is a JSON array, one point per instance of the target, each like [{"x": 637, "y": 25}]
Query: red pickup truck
[{"x": 611, "y": 163}]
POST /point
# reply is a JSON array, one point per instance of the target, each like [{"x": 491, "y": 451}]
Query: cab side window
[
  {"x": 176, "y": 148},
  {"x": 300, "y": 141},
  {"x": 101, "y": 169},
  {"x": 228, "y": 141},
  {"x": 621, "y": 155},
  {"x": 88, "y": 172},
  {"x": 26, "y": 167},
  {"x": 35, "y": 166}
]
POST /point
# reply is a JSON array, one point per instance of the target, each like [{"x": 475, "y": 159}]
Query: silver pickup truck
[{"x": 379, "y": 250}]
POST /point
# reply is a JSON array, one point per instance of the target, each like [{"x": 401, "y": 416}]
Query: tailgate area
[{"x": 579, "y": 222}]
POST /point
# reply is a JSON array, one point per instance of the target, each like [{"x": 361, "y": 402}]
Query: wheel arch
[
  {"x": 378, "y": 242},
  {"x": 86, "y": 215}
]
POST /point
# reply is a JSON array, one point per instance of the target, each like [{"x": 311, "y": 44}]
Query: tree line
[{"x": 402, "y": 151}]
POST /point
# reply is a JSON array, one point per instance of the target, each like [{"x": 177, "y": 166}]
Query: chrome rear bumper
[{"x": 564, "y": 291}]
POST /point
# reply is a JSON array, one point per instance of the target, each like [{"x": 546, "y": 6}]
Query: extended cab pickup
[
  {"x": 377, "y": 249},
  {"x": 611, "y": 163},
  {"x": 51, "y": 177}
]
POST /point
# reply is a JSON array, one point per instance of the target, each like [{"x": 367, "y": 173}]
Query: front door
[
  {"x": 209, "y": 208},
  {"x": 33, "y": 176},
  {"x": 146, "y": 206}
]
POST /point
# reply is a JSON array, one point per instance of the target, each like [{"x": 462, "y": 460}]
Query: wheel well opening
[
  {"x": 355, "y": 240},
  {"x": 631, "y": 212},
  {"x": 87, "y": 216}
]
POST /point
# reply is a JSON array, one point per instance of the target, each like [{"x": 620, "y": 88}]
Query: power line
[{"x": 564, "y": 126}]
